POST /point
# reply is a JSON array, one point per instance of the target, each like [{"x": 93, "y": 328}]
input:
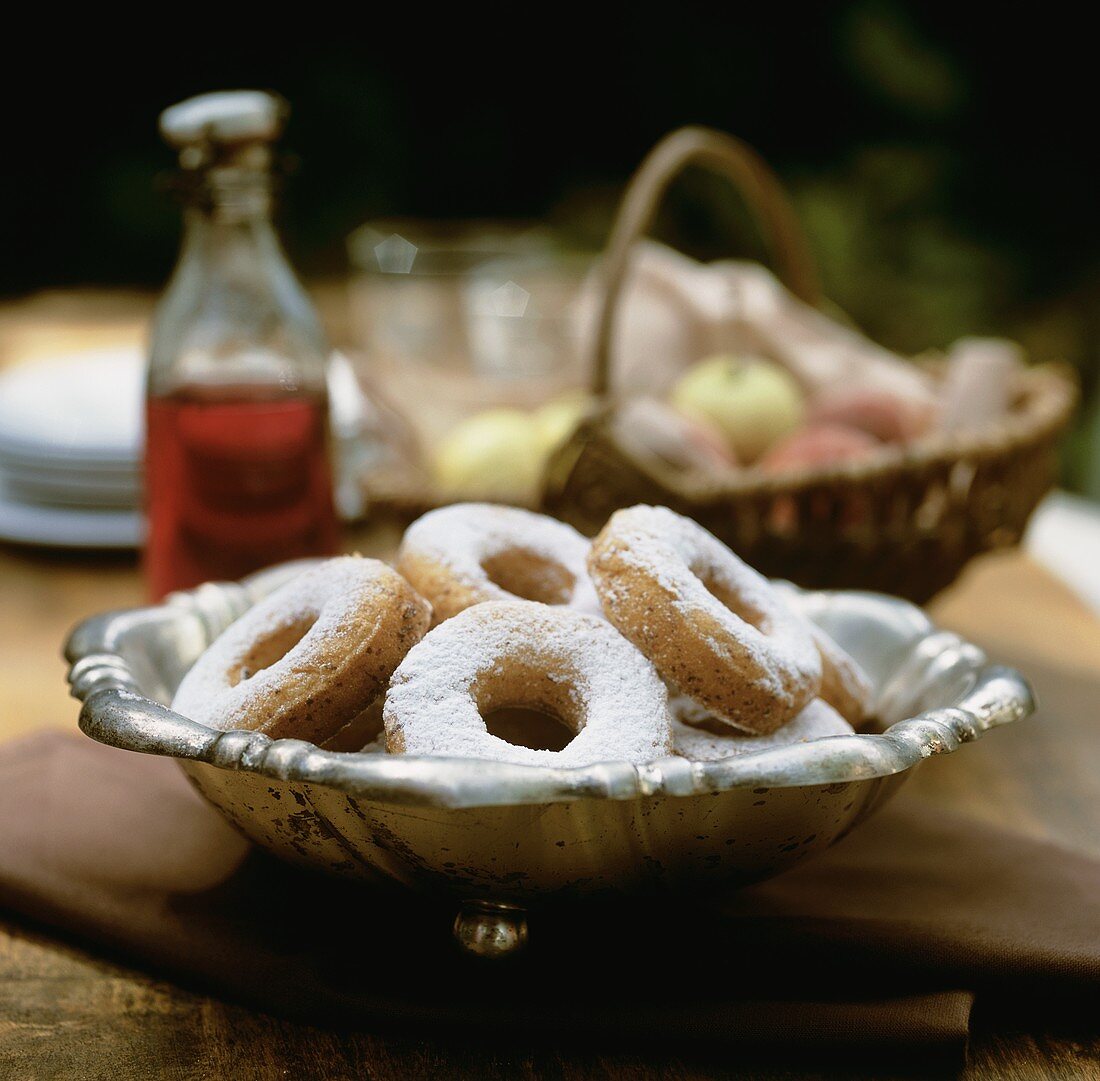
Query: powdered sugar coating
[
  {"x": 817, "y": 721},
  {"x": 519, "y": 653},
  {"x": 350, "y": 620},
  {"x": 444, "y": 554},
  {"x": 744, "y": 653}
]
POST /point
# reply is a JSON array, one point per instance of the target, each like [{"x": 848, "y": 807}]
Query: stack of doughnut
[{"x": 652, "y": 640}]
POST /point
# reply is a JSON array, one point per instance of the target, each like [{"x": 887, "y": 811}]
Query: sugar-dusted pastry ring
[
  {"x": 469, "y": 553},
  {"x": 307, "y": 661},
  {"x": 844, "y": 684},
  {"x": 714, "y": 628},
  {"x": 505, "y": 654},
  {"x": 696, "y": 738}
]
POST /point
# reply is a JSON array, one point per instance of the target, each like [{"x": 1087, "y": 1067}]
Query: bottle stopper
[{"x": 220, "y": 125}]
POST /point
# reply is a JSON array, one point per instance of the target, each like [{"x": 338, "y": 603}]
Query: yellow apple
[
  {"x": 558, "y": 419},
  {"x": 752, "y": 401},
  {"x": 495, "y": 455}
]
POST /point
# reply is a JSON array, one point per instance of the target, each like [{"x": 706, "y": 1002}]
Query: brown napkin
[
  {"x": 863, "y": 949},
  {"x": 117, "y": 849}
]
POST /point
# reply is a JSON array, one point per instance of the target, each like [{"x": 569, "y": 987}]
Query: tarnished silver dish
[{"x": 503, "y": 838}]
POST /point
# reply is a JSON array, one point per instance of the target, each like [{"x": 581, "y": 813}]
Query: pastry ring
[
  {"x": 473, "y": 552},
  {"x": 507, "y": 654},
  {"x": 305, "y": 662},
  {"x": 712, "y": 626}
]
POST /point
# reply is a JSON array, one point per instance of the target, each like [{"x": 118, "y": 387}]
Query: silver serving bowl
[{"x": 501, "y": 838}]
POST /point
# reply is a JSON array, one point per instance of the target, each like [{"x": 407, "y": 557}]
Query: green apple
[
  {"x": 752, "y": 401},
  {"x": 495, "y": 455}
]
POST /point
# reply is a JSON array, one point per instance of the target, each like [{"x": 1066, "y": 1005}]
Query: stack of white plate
[
  {"x": 72, "y": 441},
  {"x": 70, "y": 450}
]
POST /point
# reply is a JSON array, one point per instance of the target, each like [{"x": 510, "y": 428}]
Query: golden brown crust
[
  {"x": 361, "y": 730},
  {"x": 339, "y": 680},
  {"x": 844, "y": 685},
  {"x": 447, "y": 593}
]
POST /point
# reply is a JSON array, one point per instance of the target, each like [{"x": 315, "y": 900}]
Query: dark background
[{"x": 941, "y": 156}]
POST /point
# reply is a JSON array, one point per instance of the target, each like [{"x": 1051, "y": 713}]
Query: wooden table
[{"x": 65, "y": 1013}]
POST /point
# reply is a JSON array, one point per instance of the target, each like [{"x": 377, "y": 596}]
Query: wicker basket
[{"x": 905, "y": 521}]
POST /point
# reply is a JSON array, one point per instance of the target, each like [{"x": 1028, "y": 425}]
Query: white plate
[
  {"x": 40, "y": 463},
  {"x": 83, "y": 408},
  {"x": 68, "y": 527},
  {"x": 118, "y": 490}
]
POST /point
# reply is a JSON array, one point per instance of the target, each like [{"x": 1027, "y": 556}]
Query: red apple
[
  {"x": 876, "y": 412},
  {"x": 816, "y": 445}
]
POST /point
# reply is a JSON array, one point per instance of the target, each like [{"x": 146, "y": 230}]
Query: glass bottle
[{"x": 237, "y": 470}]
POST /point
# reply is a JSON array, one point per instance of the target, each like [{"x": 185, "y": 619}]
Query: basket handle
[{"x": 758, "y": 186}]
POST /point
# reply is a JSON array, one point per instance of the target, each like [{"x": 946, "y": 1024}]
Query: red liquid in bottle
[{"x": 235, "y": 481}]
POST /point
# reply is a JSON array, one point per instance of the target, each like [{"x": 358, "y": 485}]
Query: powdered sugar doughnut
[
  {"x": 508, "y": 654},
  {"x": 711, "y": 625},
  {"x": 696, "y": 737},
  {"x": 844, "y": 685},
  {"x": 473, "y": 552},
  {"x": 310, "y": 659}
]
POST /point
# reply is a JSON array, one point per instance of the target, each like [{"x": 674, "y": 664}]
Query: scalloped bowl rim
[{"x": 961, "y": 696}]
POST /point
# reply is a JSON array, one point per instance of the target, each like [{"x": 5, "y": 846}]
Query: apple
[
  {"x": 876, "y": 412},
  {"x": 558, "y": 419},
  {"x": 496, "y": 455},
  {"x": 753, "y": 402},
  {"x": 819, "y": 445}
]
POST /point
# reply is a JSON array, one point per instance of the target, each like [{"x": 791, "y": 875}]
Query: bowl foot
[{"x": 491, "y": 929}]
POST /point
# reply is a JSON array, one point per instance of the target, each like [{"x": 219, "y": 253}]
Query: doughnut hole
[
  {"x": 527, "y": 574},
  {"x": 271, "y": 648},
  {"x": 732, "y": 601},
  {"x": 522, "y": 726},
  {"x": 528, "y": 704}
]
